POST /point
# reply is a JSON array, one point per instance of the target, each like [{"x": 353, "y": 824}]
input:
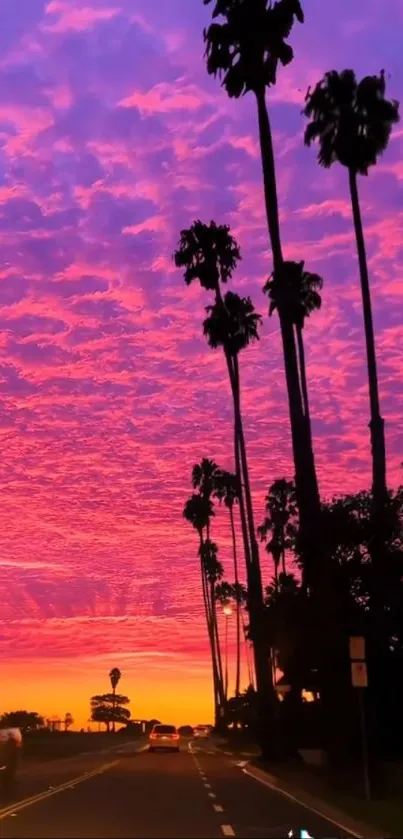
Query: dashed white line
[
  {"x": 218, "y": 808},
  {"x": 227, "y": 830},
  {"x": 212, "y": 795},
  {"x": 208, "y": 786}
]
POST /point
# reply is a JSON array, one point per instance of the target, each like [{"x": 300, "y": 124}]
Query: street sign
[
  {"x": 357, "y": 648},
  {"x": 359, "y": 675}
]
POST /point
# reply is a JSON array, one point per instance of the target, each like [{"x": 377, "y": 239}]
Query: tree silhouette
[
  {"x": 352, "y": 122},
  {"x": 198, "y": 511},
  {"x": 279, "y": 522},
  {"x": 209, "y": 254},
  {"x": 245, "y": 50},
  {"x": 295, "y": 292},
  {"x": 68, "y": 721},
  {"x": 213, "y": 571},
  {"x": 115, "y": 676},
  {"x": 226, "y": 490},
  {"x": 109, "y": 708},
  {"x": 25, "y": 720},
  {"x": 232, "y": 324}
]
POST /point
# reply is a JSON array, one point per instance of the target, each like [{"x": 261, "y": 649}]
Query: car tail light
[{"x": 175, "y": 737}]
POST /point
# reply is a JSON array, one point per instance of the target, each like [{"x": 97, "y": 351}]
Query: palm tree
[
  {"x": 232, "y": 324},
  {"x": 198, "y": 512},
  {"x": 213, "y": 571},
  {"x": 204, "y": 478},
  {"x": 297, "y": 294},
  {"x": 115, "y": 676},
  {"x": 245, "y": 51},
  {"x": 352, "y": 122},
  {"x": 227, "y": 491},
  {"x": 209, "y": 254},
  {"x": 281, "y": 512}
]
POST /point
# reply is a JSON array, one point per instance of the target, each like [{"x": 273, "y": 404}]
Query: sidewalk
[
  {"x": 337, "y": 798},
  {"x": 333, "y": 799}
]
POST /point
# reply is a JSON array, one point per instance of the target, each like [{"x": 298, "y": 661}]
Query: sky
[{"x": 112, "y": 139}]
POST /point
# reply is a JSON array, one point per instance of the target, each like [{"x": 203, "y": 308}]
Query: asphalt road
[{"x": 197, "y": 794}]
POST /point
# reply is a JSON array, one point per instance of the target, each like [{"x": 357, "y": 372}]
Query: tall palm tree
[
  {"x": 352, "y": 122},
  {"x": 227, "y": 491},
  {"x": 232, "y": 324},
  {"x": 279, "y": 522},
  {"x": 204, "y": 478},
  {"x": 214, "y": 573},
  {"x": 209, "y": 254},
  {"x": 198, "y": 512},
  {"x": 115, "y": 676},
  {"x": 245, "y": 51}
]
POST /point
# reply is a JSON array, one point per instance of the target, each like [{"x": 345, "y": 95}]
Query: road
[{"x": 198, "y": 794}]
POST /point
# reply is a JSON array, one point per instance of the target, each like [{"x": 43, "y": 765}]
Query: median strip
[{"x": 12, "y": 809}]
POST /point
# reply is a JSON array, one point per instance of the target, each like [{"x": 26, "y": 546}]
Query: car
[
  {"x": 202, "y": 731},
  {"x": 164, "y": 737},
  {"x": 10, "y": 748}
]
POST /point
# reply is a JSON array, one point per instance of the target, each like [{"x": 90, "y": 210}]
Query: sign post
[{"x": 359, "y": 680}]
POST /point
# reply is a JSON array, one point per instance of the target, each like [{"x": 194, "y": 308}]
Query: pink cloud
[
  {"x": 76, "y": 19},
  {"x": 164, "y": 98}
]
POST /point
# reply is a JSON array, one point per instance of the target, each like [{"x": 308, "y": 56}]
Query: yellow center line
[{"x": 35, "y": 799}]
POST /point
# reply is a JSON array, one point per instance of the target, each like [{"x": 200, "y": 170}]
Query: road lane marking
[
  {"x": 293, "y": 798},
  {"x": 208, "y": 786},
  {"x": 227, "y": 830},
  {"x": 17, "y": 806},
  {"x": 212, "y": 795},
  {"x": 218, "y": 808}
]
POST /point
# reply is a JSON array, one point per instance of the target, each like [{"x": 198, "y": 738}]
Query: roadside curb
[{"x": 322, "y": 808}]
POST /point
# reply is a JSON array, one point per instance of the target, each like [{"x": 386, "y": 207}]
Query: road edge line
[
  {"x": 17, "y": 806},
  {"x": 318, "y": 806}
]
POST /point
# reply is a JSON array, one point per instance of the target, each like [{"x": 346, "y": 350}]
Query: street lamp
[{"x": 227, "y": 610}]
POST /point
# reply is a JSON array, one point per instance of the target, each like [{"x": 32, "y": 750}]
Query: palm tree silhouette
[
  {"x": 232, "y": 324},
  {"x": 198, "y": 511},
  {"x": 209, "y": 254},
  {"x": 213, "y": 572},
  {"x": 352, "y": 122},
  {"x": 204, "y": 478},
  {"x": 115, "y": 676},
  {"x": 245, "y": 51},
  {"x": 227, "y": 491},
  {"x": 280, "y": 523}
]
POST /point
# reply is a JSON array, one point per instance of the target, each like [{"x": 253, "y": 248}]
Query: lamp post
[{"x": 227, "y": 612}]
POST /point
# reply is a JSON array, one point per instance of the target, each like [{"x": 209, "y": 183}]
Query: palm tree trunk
[
  {"x": 268, "y": 735},
  {"x": 319, "y": 574},
  {"x": 238, "y": 605},
  {"x": 207, "y": 611},
  {"x": 113, "y": 708},
  {"x": 216, "y": 636},
  {"x": 283, "y": 568},
  {"x": 268, "y": 729},
  {"x": 305, "y": 473},
  {"x": 376, "y": 423},
  {"x": 269, "y": 178},
  {"x": 302, "y": 370}
]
